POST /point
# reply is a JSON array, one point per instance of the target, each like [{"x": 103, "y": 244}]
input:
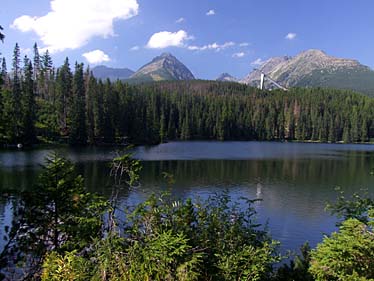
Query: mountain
[
  {"x": 253, "y": 78},
  {"x": 163, "y": 67},
  {"x": 225, "y": 77},
  {"x": 104, "y": 72},
  {"x": 314, "y": 68}
]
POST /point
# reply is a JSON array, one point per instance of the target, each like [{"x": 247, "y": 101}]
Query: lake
[{"x": 294, "y": 180}]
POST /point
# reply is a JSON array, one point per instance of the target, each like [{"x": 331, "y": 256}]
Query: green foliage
[
  {"x": 346, "y": 255},
  {"x": 163, "y": 256},
  {"x": 225, "y": 236},
  {"x": 166, "y": 239},
  {"x": 247, "y": 263},
  {"x": 125, "y": 169},
  {"x": 28, "y": 104},
  {"x": 67, "y": 267},
  {"x": 82, "y": 108},
  {"x": 78, "y": 129},
  {"x": 357, "y": 207},
  {"x": 298, "y": 269},
  {"x": 57, "y": 214}
]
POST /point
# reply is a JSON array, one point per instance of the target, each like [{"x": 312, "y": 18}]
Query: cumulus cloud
[
  {"x": 214, "y": 46},
  {"x": 211, "y": 13},
  {"x": 238, "y": 55},
  {"x": 96, "y": 56},
  {"x": 257, "y": 62},
  {"x": 290, "y": 36},
  {"x": 70, "y": 24},
  {"x": 180, "y": 20},
  {"x": 164, "y": 39}
]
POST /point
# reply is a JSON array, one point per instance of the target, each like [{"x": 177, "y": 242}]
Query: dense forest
[{"x": 42, "y": 103}]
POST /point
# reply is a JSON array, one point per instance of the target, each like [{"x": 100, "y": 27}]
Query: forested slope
[{"x": 39, "y": 102}]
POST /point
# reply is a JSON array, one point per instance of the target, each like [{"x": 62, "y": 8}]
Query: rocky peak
[
  {"x": 226, "y": 77},
  {"x": 164, "y": 67}
]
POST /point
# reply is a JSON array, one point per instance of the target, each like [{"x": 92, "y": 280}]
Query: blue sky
[{"x": 209, "y": 36}]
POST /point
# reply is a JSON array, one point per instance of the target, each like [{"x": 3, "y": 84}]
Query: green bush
[{"x": 346, "y": 255}]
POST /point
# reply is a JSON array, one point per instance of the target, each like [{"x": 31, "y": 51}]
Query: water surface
[{"x": 294, "y": 180}]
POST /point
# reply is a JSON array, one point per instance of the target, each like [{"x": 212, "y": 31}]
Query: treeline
[{"x": 41, "y": 103}]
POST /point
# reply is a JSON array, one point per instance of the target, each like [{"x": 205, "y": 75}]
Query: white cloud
[
  {"x": 96, "y": 56},
  {"x": 166, "y": 39},
  {"x": 244, "y": 44},
  {"x": 72, "y": 23},
  {"x": 238, "y": 55},
  {"x": 211, "y": 13},
  {"x": 214, "y": 46},
  {"x": 180, "y": 20},
  {"x": 257, "y": 62},
  {"x": 135, "y": 48},
  {"x": 290, "y": 36}
]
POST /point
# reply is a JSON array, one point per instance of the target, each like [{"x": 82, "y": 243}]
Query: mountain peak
[
  {"x": 166, "y": 55},
  {"x": 313, "y": 52},
  {"x": 163, "y": 67},
  {"x": 225, "y": 77},
  {"x": 314, "y": 68}
]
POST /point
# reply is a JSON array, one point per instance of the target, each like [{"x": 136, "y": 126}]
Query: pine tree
[
  {"x": 29, "y": 106},
  {"x": 4, "y": 74},
  {"x": 108, "y": 129},
  {"x": 98, "y": 104},
  {"x": 91, "y": 92},
  {"x": 64, "y": 96},
  {"x": 2, "y": 36},
  {"x": 78, "y": 130},
  {"x": 37, "y": 69},
  {"x": 46, "y": 75},
  {"x": 16, "y": 113}
]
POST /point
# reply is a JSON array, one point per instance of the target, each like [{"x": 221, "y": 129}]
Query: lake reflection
[{"x": 293, "y": 180}]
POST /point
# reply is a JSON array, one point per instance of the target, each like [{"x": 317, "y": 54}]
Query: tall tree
[
  {"x": 91, "y": 93},
  {"x": 16, "y": 97},
  {"x": 2, "y": 36},
  {"x": 29, "y": 106},
  {"x": 64, "y": 96},
  {"x": 46, "y": 75},
  {"x": 78, "y": 130},
  {"x": 37, "y": 69}
]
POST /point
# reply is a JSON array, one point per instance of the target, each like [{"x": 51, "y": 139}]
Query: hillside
[{"x": 314, "y": 68}]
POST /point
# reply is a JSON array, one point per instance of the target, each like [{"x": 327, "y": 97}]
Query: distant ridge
[
  {"x": 314, "y": 68},
  {"x": 104, "y": 72}
]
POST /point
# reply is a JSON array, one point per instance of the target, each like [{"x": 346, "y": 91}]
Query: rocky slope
[
  {"x": 314, "y": 68},
  {"x": 225, "y": 77},
  {"x": 163, "y": 67}
]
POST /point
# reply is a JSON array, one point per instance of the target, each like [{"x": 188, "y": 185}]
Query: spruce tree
[
  {"x": 37, "y": 69},
  {"x": 29, "y": 105},
  {"x": 16, "y": 107},
  {"x": 64, "y": 96},
  {"x": 46, "y": 75},
  {"x": 2, "y": 36},
  {"x": 91, "y": 95},
  {"x": 78, "y": 130}
]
